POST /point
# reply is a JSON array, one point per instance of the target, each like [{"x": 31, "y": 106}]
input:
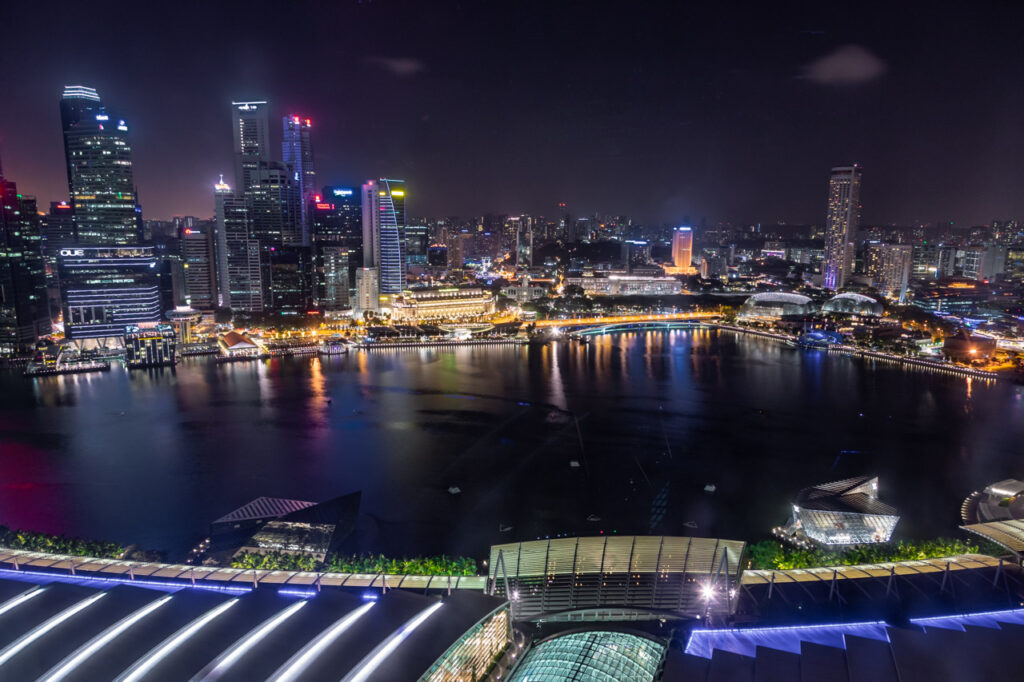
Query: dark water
[{"x": 650, "y": 418}]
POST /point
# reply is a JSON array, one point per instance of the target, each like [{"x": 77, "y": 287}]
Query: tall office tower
[
  {"x": 58, "y": 232},
  {"x": 682, "y": 247},
  {"x": 384, "y": 233},
  {"x": 457, "y": 250},
  {"x": 367, "y": 287},
  {"x": 106, "y": 289},
  {"x": 841, "y": 223},
  {"x": 288, "y": 279},
  {"x": 417, "y": 239},
  {"x": 337, "y": 223},
  {"x": 273, "y": 201},
  {"x": 926, "y": 258},
  {"x": 238, "y": 253},
  {"x": 99, "y": 167},
  {"x": 895, "y": 263},
  {"x": 332, "y": 277},
  {"x": 252, "y": 141},
  {"x": 982, "y": 263},
  {"x": 297, "y": 152},
  {"x": 24, "y": 312},
  {"x": 200, "y": 266},
  {"x": 524, "y": 244}
]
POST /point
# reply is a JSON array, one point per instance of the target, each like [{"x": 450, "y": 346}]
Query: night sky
[{"x": 728, "y": 113}]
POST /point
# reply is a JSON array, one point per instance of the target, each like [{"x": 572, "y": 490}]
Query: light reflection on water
[{"x": 153, "y": 456}]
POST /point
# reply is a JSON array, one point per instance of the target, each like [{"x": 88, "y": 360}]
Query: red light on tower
[
  {"x": 317, "y": 198},
  {"x": 295, "y": 118},
  {"x": 188, "y": 230},
  {"x": 309, "y": 123}
]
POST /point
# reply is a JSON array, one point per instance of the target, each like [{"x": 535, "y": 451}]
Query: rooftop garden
[{"x": 771, "y": 554}]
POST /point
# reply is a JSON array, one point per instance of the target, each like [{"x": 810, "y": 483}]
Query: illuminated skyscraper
[
  {"x": 252, "y": 141},
  {"x": 99, "y": 167},
  {"x": 238, "y": 253},
  {"x": 384, "y": 233},
  {"x": 197, "y": 252},
  {"x": 297, "y": 152},
  {"x": 895, "y": 262},
  {"x": 682, "y": 247},
  {"x": 524, "y": 243},
  {"x": 842, "y": 221},
  {"x": 24, "y": 313}
]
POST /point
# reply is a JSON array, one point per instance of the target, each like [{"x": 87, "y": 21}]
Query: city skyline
[{"x": 739, "y": 139}]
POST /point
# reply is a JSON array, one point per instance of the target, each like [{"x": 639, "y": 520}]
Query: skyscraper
[
  {"x": 238, "y": 253},
  {"x": 524, "y": 243},
  {"x": 197, "y": 252},
  {"x": 384, "y": 233},
  {"x": 417, "y": 239},
  {"x": 895, "y": 262},
  {"x": 99, "y": 167},
  {"x": 252, "y": 141},
  {"x": 24, "y": 313},
  {"x": 682, "y": 247},
  {"x": 842, "y": 221},
  {"x": 297, "y": 152},
  {"x": 273, "y": 202}
]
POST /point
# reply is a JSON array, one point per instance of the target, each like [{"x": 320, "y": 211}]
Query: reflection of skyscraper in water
[
  {"x": 682, "y": 247},
  {"x": 841, "y": 223}
]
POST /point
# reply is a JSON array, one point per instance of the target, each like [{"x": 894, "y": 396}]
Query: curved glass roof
[
  {"x": 778, "y": 297},
  {"x": 601, "y": 656}
]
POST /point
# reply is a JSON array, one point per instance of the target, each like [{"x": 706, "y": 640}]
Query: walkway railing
[{"x": 143, "y": 571}]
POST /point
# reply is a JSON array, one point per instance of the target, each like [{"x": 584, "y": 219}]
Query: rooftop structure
[
  {"x": 627, "y": 285},
  {"x": 234, "y": 345},
  {"x": 314, "y": 530},
  {"x": 843, "y": 512},
  {"x": 66, "y": 631},
  {"x": 775, "y": 305},
  {"x": 592, "y": 655},
  {"x": 642, "y": 577},
  {"x": 852, "y": 304}
]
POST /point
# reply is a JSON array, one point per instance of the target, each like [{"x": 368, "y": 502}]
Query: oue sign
[{"x": 72, "y": 252}]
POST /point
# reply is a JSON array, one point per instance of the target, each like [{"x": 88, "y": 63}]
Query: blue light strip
[
  {"x": 139, "y": 582},
  {"x": 741, "y": 632}
]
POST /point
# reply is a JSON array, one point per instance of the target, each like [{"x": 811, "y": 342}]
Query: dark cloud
[
  {"x": 403, "y": 67},
  {"x": 847, "y": 65}
]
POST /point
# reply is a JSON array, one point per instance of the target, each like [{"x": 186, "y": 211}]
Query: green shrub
[{"x": 771, "y": 554}]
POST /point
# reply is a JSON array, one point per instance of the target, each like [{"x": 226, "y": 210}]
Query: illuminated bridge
[{"x": 621, "y": 319}]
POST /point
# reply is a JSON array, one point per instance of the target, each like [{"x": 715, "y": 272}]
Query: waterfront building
[
  {"x": 967, "y": 348},
  {"x": 235, "y": 345},
  {"x": 367, "y": 297},
  {"x": 200, "y": 266},
  {"x": 238, "y": 253},
  {"x": 24, "y": 309},
  {"x": 627, "y": 285},
  {"x": 774, "y": 306},
  {"x": 383, "y": 204},
  {"x": 184, "y": 320},
  {"x": 105, "y": 289},
  {"x": 310, "y": 529},
  {"x": 442, "y": 304},
  {"x": 895, "y": 264},
  {"x": 251, "y": 131},
  {"x": 682, "y": 248},
  {"x": 846, "y": 512},
  {"x": 852, "y": 304},
  {"x": 99, "y": 168},
  {"x": 297, "y": 152},
  {"x": 149, "y": 347},
  {"x": 841, "y": 223}
]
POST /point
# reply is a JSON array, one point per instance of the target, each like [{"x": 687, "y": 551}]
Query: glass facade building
[
  {"x": 238, "y": 253},
  {"x": 99, "y": 168},
  {"x": 601, "y": 656},
  {"x": 251, "y": 132},
  {"x": 106, "y": 289},
  {"x": 384, "y": 244},
  {"x": 846, "y": 512},
  {"x": 297, "y": 153},
  {"x": 197, "y": 252},
  {"x": 24, "y": 312},
  {"x": 150, "y": 347},
  {"x": 472, "y": 655}
]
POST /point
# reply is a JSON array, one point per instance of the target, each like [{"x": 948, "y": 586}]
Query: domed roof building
[
  {"x": 852, "y": 304},
  {"x": 775, "y": 305}
]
